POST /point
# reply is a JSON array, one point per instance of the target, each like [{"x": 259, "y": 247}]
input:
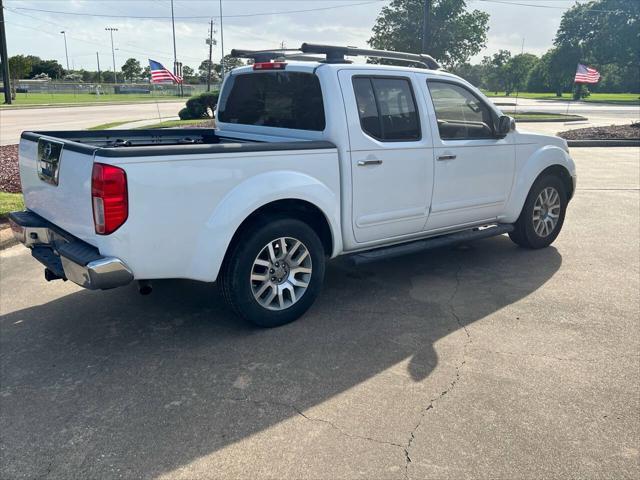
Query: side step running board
[{"x": 428, "y": 244}]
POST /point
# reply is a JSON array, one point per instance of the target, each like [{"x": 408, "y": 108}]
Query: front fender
[
  {"x": 246, "y": 198},
  {"x": 540, "y": 160}
]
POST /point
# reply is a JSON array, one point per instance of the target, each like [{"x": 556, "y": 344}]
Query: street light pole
[
  {"x": 113, "y": 53},
  {"x": 66, "y": 52}
]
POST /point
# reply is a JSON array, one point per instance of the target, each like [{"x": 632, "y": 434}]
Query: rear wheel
[
  {"x": 274, "y": 273},
  {"x": 543, "y": 214}
]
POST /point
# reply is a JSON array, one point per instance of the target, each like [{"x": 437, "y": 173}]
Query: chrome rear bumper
[{"x": 66, "y": 257}]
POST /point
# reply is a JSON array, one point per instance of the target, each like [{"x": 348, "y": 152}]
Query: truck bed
[
  {"x": 125, "y": 143},
  {"x": 180, "y": 183}
]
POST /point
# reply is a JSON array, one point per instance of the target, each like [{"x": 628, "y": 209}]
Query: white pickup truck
[{"x": 311, "y": 159}]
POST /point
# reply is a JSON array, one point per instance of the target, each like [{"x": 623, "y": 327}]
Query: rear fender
[{"x": 246, "y": 198}]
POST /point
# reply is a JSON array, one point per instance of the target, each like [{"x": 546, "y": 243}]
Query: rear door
[{"x": 391, "y": 154}]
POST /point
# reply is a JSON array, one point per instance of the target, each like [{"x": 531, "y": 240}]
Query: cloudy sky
[{"x": 33, "y": 26}]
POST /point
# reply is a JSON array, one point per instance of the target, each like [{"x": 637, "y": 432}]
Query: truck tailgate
[{"x": 56, "y": 182}]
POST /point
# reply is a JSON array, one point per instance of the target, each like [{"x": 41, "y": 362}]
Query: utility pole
[
  {"x": 98, "y": 59},
  {"x": 4, "y": 58},
  {"x": 221, "y": 43},
  {"x": 425, "y": 25},
  {"x": 66, "y": 52},
  {"x": 210, "y": 41},
  {"x": 113, "y": 53}
]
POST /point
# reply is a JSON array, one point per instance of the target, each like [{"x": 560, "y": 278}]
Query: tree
[
  {"x": 474, "y": 74},
  {"x": 516, "y": 71},
  {"x": 203, "y": 71},
  {"x": 189, "y": 75},
  {"x": 50, "y": 67},
  {"x": 454, "y": 34},
  {"x": 494, "y": 70},
  {"x": 602, "y": 33},
  {"x": 20, "y": 66},
  {"x": 229, "y": 64},
  {"x": 131, "y": 69}
]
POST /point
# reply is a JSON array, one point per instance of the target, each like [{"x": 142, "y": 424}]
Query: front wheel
[
  {"x": 274, "y": 273},
  {"x": 542, "y": 215}
]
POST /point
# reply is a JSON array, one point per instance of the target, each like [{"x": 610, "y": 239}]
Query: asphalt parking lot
[{"x": 480, "y": 361}]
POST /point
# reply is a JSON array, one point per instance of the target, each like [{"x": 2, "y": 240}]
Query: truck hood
[{"x": 542, "y": 140}]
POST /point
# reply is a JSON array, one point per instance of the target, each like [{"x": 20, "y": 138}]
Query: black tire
[
  {"x": 235, "y": 277},
  {"x": 525, "y": 234}
]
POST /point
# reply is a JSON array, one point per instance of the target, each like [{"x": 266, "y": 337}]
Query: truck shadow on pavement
[{"x": 113, "y": 384}]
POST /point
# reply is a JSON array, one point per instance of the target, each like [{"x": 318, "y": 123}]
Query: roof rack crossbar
[
  {"x": 336, "y": 54},
  {"x": 333, "y": 54}
]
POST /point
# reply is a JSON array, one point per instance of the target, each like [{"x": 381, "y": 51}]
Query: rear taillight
[{"x": 109, "y": 198}]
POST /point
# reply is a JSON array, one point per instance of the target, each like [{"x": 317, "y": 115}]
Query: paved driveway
[
  {"x": 14, "y": 121},
  {"x": 484, "y": 361}
]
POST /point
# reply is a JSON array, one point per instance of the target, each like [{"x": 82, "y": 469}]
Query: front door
[
  {"x": 391, "y": 154},
  {"x": 473, "y": 167}
]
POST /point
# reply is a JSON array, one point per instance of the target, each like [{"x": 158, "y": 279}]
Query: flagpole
[{"x": 175, "y": 53}]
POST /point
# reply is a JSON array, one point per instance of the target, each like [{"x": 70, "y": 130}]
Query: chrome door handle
[
  {"x": 363, "y": 163},
  {"x": 447, "y": 157}
]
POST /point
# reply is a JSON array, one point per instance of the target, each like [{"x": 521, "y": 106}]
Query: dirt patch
[
  {"x": 613, "y": 132},
  {"x": 9, "y": 172}
]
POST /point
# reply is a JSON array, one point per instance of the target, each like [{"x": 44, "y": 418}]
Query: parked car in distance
[{"x": 311, "y": 159}]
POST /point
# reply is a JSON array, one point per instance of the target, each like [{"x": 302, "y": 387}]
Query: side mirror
[{"x": 505, "y": 125}]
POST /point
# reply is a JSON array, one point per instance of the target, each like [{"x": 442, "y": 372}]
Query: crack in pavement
[
  {"x": 455, "y": 380},
  {"x": 299, "y": 412}
]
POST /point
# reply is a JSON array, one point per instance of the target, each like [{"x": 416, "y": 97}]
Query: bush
[
  {"x": 199, "y": 106},
  {"x": 184, "y": 114},
  {"x": 580, "y": 91}
]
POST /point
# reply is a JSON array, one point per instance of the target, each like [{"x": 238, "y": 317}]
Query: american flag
[
  {"x": 586, "y": 74},
  {"x": 159, "y": 74}
]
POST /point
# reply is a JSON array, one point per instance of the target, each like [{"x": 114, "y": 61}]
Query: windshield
[{"x": 273, "y": 99}]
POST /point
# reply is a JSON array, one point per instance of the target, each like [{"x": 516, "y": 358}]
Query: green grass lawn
[
  {"x": 179, "y": 123},
  {"x": 105, "y": 126},
  {"x": 10, "y": 202},
  {"x": 622, "y": 98},
  {"x": 26, "y": 99}
]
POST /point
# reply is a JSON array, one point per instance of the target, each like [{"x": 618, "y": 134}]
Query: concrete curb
[
  {"x": 7, "y": 239},
  {"x": 569, "y": 119},
  {"x": 604, "y": 143}
]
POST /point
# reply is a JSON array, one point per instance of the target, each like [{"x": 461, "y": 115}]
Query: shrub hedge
[{"x": 199, "y": 106}]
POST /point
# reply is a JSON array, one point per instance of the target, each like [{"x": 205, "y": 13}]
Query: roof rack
[
  {"x": 336, "y": 54},
  {"x": 333, "y": 54}
]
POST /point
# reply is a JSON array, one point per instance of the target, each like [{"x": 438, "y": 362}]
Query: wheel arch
[
  {"x": 287, "y": 193},
  {"x": 547, "y": 160}
]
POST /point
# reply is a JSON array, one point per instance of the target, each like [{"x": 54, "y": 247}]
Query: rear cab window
[
  {"x": 279, "y": 99},
  {"x": 387, "y": 108}
]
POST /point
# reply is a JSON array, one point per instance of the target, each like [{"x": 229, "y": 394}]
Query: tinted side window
[
  {"x": 387, "y": 108},
  {"x": 460, "y": 113},
  {"x": 273, "y": 99}
]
